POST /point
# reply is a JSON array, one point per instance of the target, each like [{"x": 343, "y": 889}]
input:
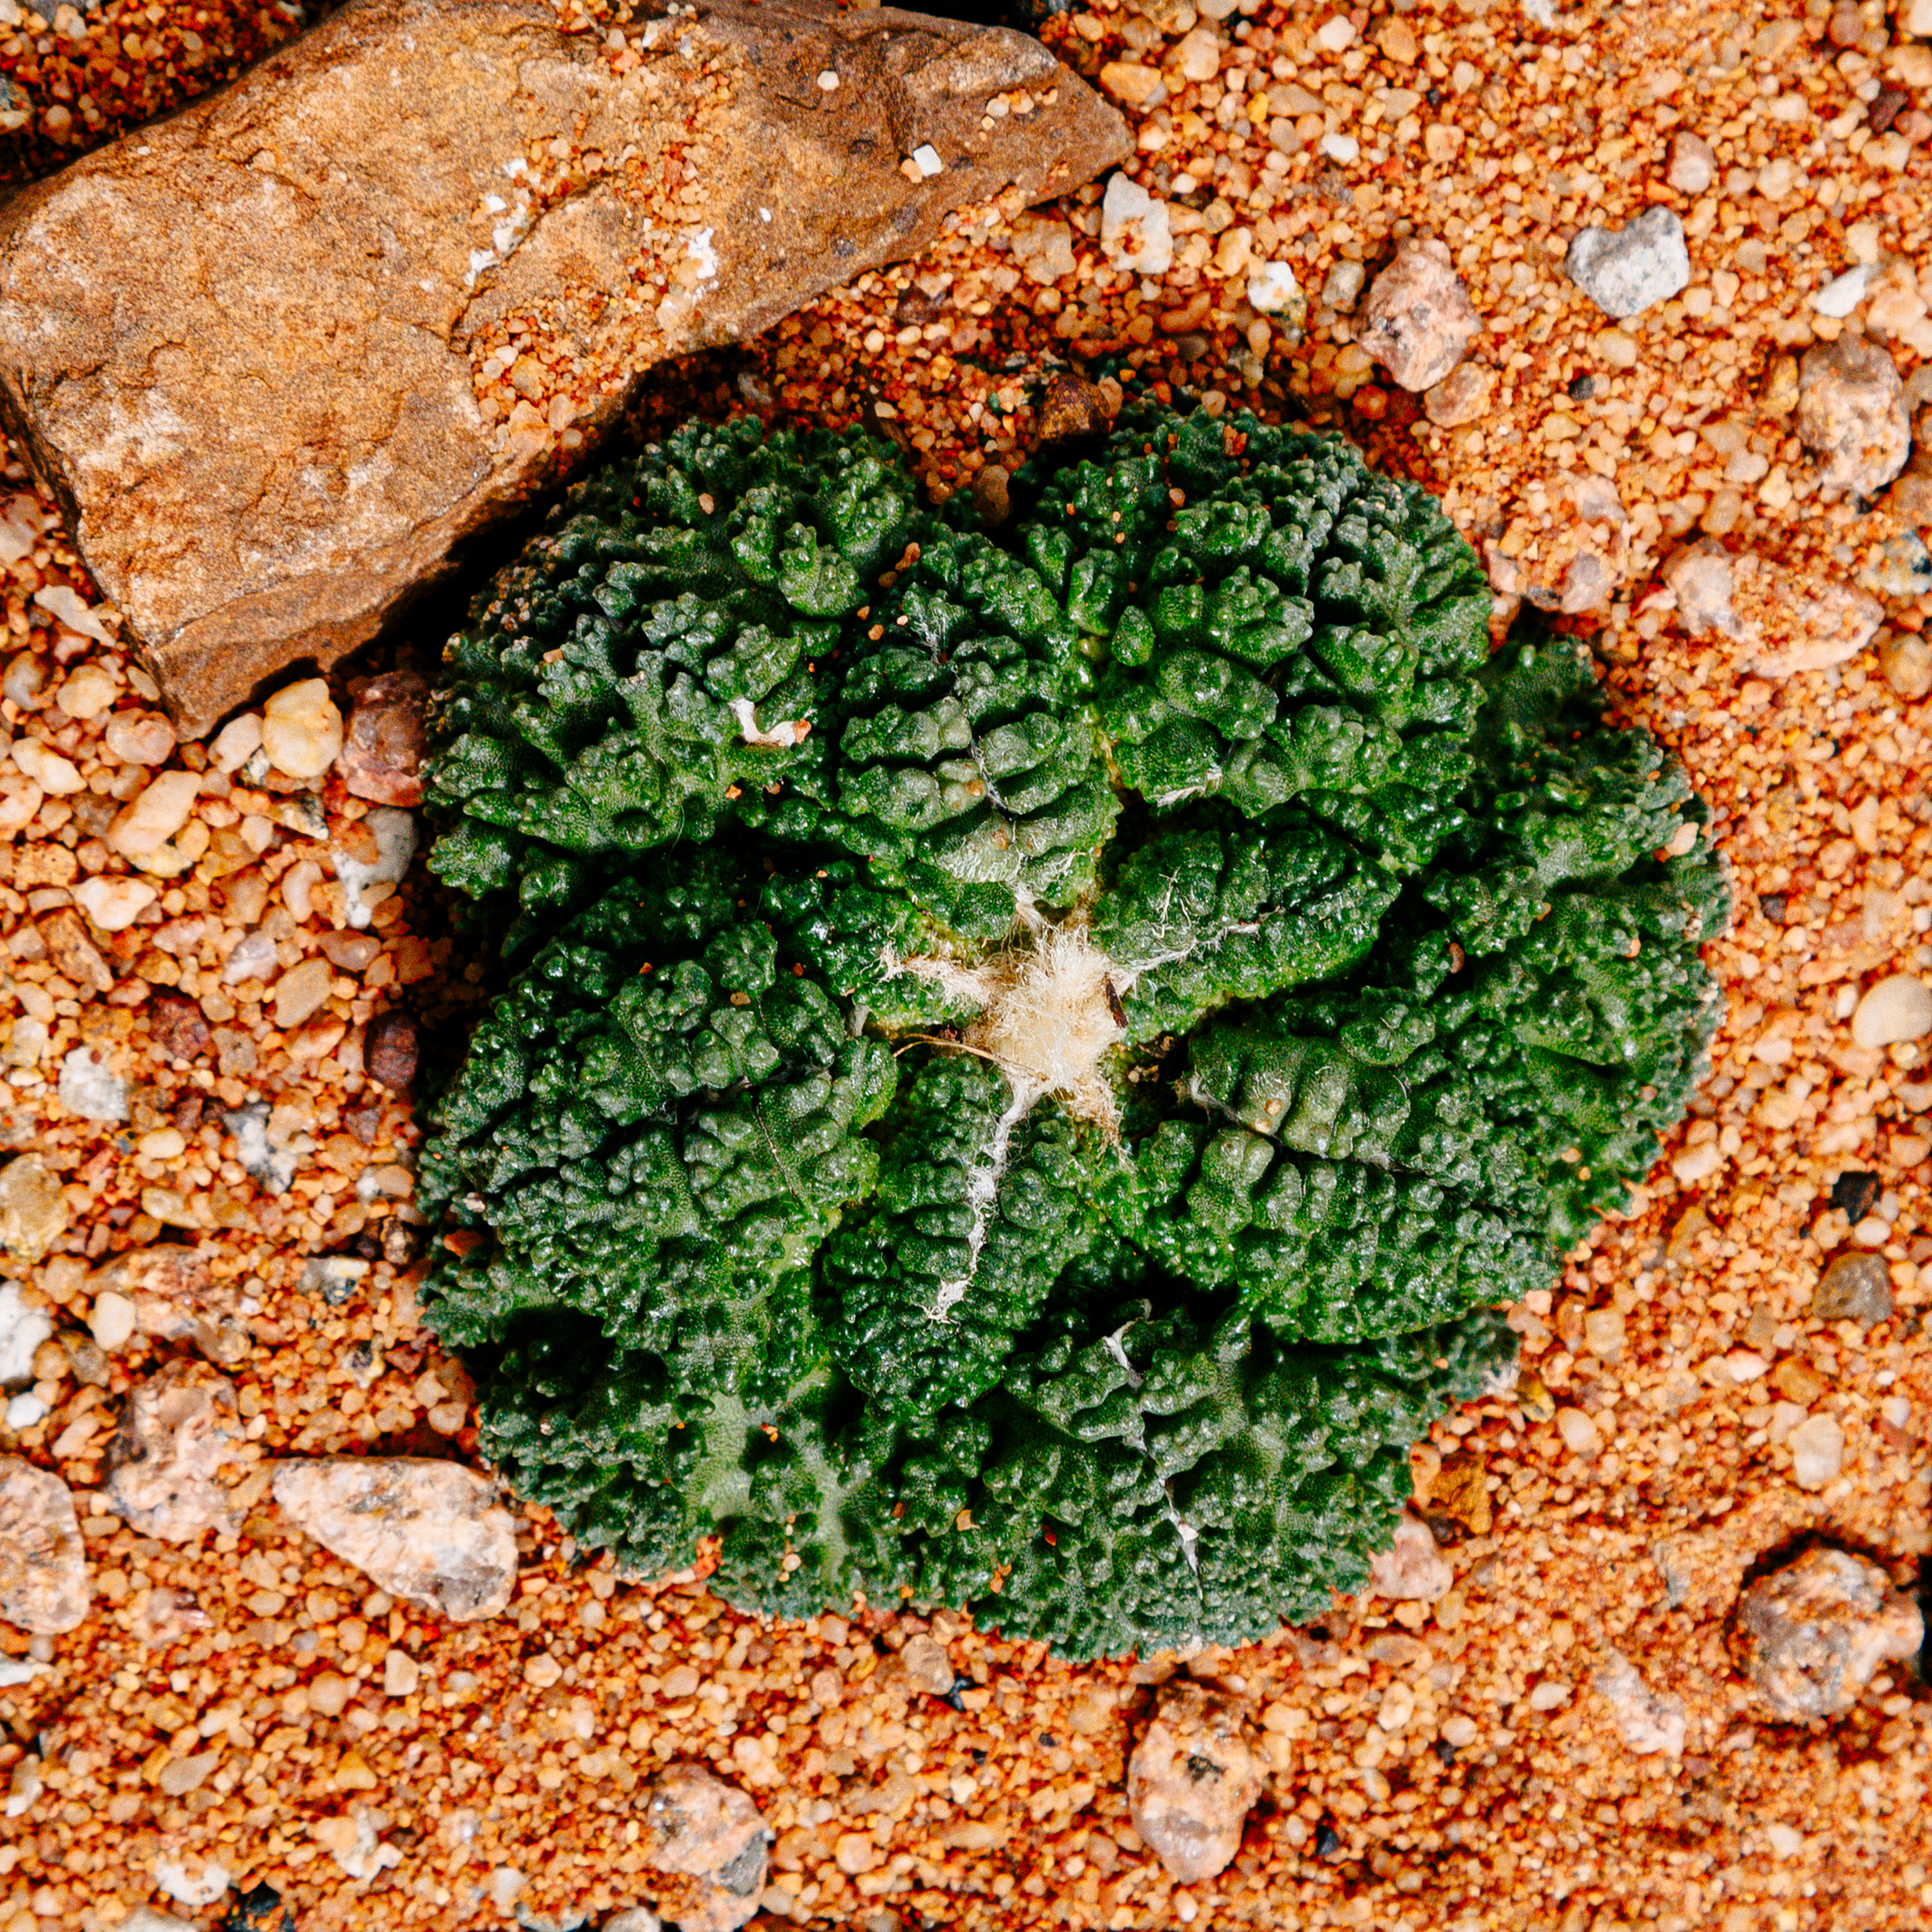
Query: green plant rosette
[{"x": 1033, "y": 1053}]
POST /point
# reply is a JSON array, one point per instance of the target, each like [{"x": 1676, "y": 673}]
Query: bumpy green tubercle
[{"x": 1407, "y": 943}]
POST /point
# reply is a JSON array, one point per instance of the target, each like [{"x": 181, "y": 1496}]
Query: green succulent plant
[{"x": 1033, "y": 1055}]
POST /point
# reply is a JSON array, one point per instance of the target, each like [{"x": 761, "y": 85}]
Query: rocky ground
[{"x": 1646, "y": 1654}]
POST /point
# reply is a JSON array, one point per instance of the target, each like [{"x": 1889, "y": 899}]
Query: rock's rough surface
[
  {"x": 1812, "y": 1634},
  {"x": 1817, "y": 1452},
  {"x": 175, "y": 1297},
  {"x": 1854, "y": 1287},
  {"x": 1136, "y": 228},
  {"x": 1411, "y": 1569},
  {"x": 301, "y": 729},
  {"x": 261, "y": 351},
  {"x": 1419, "y": 318},
  {"x": 23, "y": 1328},
  {"x": 1852, "y": 414},
  {"x": 1692, "y": 164},
  {"x": 1897, "y": 1007},
  {"x": 1625, "y": 270},
  {"x": 91, "y": 1088},
  {"x": 431, "y": 1532},
  {"x": 382, "y": 758},
  {"x": 1650, "y": 1721},
  {"x": 33, "y": 1210},
  {"x": 1777, "y": 623},
  {"x": 1192, "y": 1779},
  {"x": 929, "y": 1666},
  {"x": 1461, "y": 396},
  {"x": 180, "y": 1430},
  {"x": 390, "y": 1050},
  {"x": 702, "y": 1829},
  {"x": 43, "y": 1585}
]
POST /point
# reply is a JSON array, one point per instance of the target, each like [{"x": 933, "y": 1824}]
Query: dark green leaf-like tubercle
[{"x": 778, "y": 773}]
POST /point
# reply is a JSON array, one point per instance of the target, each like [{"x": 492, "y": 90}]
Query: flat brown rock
[{"x": 279, "y": 354}]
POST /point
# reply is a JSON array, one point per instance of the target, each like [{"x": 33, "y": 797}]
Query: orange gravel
[{"x": 1433, "y": 1769}]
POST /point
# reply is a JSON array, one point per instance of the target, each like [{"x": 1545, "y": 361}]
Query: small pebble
[
  {"x": 1273, "y": 289},
  {"x": 1692, "y": 164},
  {"x": 236, "y": 743},
  {"x": 23, "y": 1332},
  {"x": 1604, "y": 1329},
  {"x": 430, "y": 1532},
  {"x": 58, "y": 777},
  {"x": 301, "y": 729},
  {"x": 301, "y": 993},
  {"x": 1903, "y": 568},
  {"x": 139, "y": 738},
  {"x": 1199, "y": 54},
  {"x": 113, "y": 902},
  {"x": 1462, "y": 396},
  {"x": 1134, "y": 228},
  {"x": 1625, "y": 270},
  {"x": 87, "y": 692},
  {"x": 91, "y": 1088},
  {"x": 1842, "y": 293},
  {"x": 377, "y": 853},
  {"x": 111, "y": 1324},
  {"x": 389, "y": 1050},
  {"x": 1419, "y": 320},
  {"x": 154, "y": 818},
  {"x": 33, "y": 1210},
  {"x": 700, "y": 1827},
  {"x": 1905, "y": 661},
  {"x": 179, "y": 1430},
  {"x": 44, "y": 1576},
  {"x": 191, "y": 1880},
  {"x": 180, "y": 1028},
  {"x": 1343, "y": 288},
  {"x": 1412, "y": 1569},
  {"x": 1854, "y": 1287},
  {"x": 381, "y": 758},
  {"x": 1581, "y": 1436},
  {"x": 927, "y": 1666},
  {"x": 1817, "y": 1452},
  {"x": 1192, "y": 1778},
  {"x": 333, "y": 1278},
  {"x": 1650, "y": 1723},
  {"x": 1851, "y": 413},
  {"x": 1812, "y": 1634},
  {"x": 1897, "y": 1008}
]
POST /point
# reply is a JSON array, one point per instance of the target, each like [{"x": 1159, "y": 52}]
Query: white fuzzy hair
[{"x": 1046, "y": 1016}]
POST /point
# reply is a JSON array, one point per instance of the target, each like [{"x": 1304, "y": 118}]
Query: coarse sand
[{"x": 238, "y": 1699}]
